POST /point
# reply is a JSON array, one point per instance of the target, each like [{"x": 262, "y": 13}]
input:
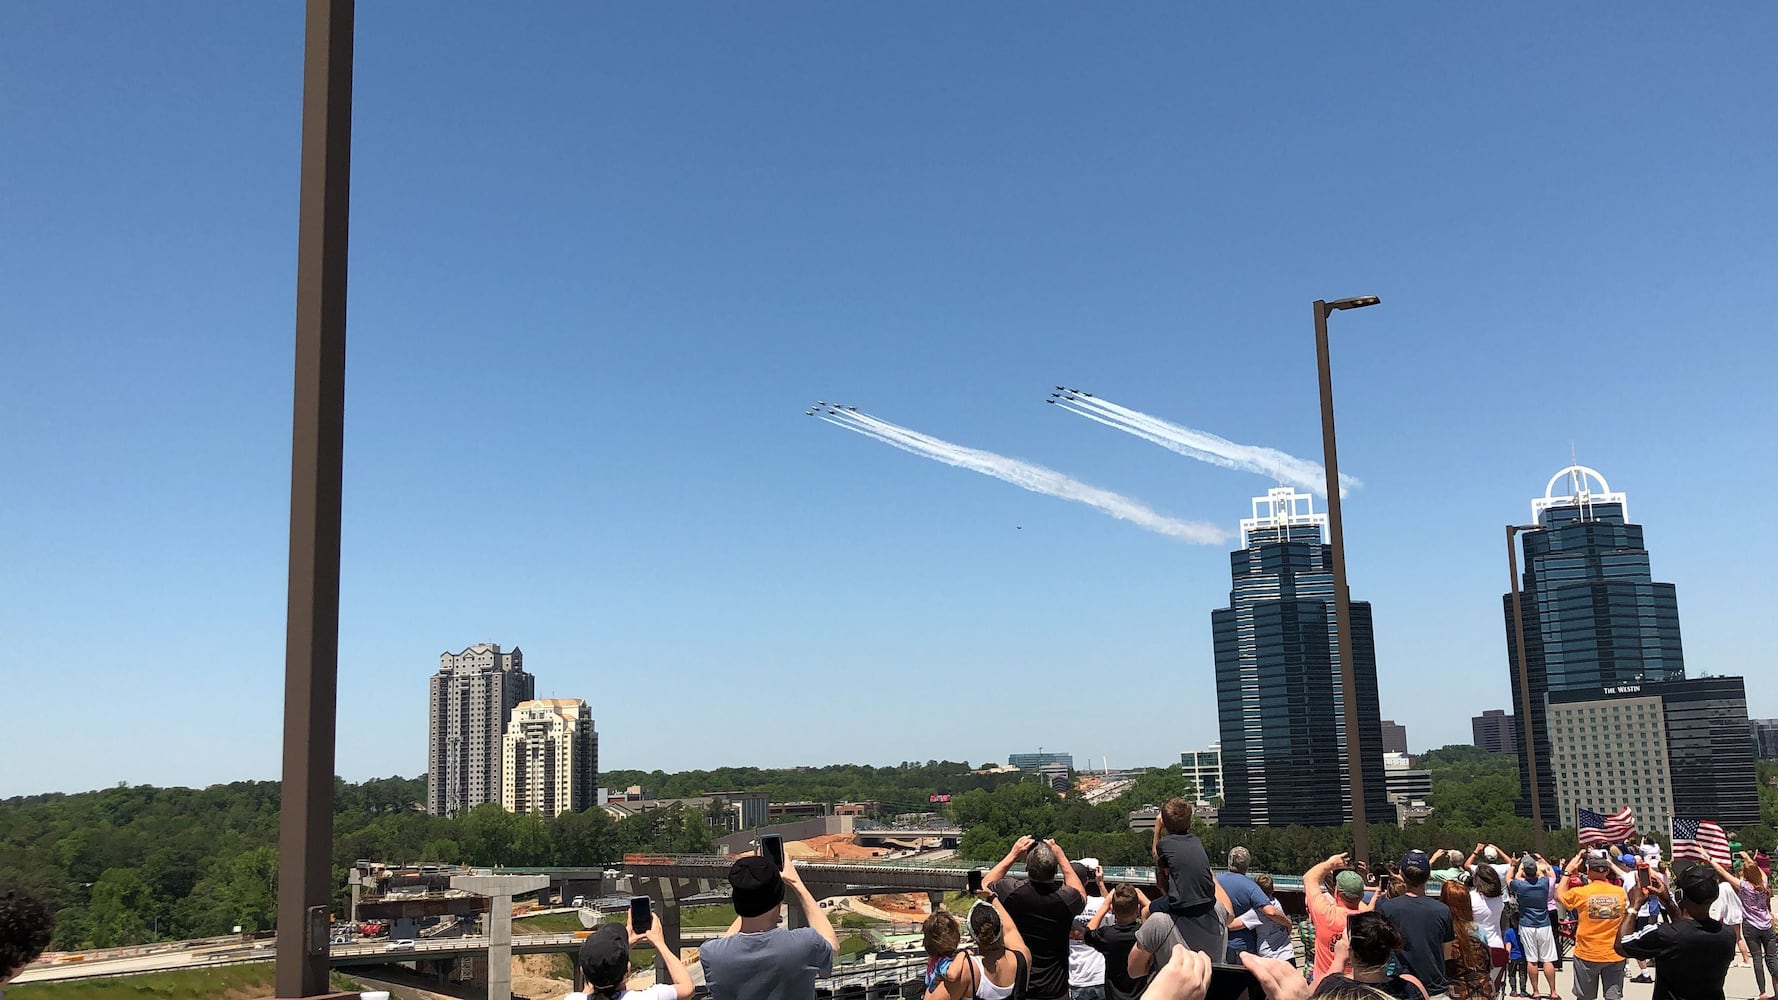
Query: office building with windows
[
  {"x": 550, "y": 758},
  {"x": 1034, "y": 761},
  {"x": 1665, "y": 749},
  {"x": 1203, "y": 768},
  {"x": 1395, "y": 737},
  {"x": 1594, "y": 615},
  {"x": 1493, "y": 731},
  {"x": 1765, "y": 738},
  {"x": 471, "y": 699},
  {"x": 1278, "y": 681}
]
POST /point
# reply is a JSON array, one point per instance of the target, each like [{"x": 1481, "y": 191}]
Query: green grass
[
  {"x": 854, "y": 945},
  {"x": 548, "y": 923},
  {"x": 854, "y": 920},
  {"x": 228, "y": 982}
]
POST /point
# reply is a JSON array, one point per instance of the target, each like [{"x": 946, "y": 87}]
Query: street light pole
[
  {"x": 1336, "y": 536},
  {"x": 1528, "y": 741}
]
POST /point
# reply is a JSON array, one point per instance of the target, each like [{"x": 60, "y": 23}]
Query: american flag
[
  {"x": 1700, "y": 840},
  {"x": 1597, "y": 828}
]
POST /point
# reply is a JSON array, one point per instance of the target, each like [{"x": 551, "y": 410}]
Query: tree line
[{"x": 128, "y": 865}]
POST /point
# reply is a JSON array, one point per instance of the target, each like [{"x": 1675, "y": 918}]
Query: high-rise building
[
  {"x": 1493, "y": 731},
  {"x": 1033, "y": 761},
  {"x": 550, "y": 758},
  {"x": 1203, "y": 768},
  {"x": 1663, "y": 748},
  {"x": 1395, "y": 737},
  {"x": 1765, "y": 738},
  {"x": 1594, "y": 615},
  {"x": 1279, "y": 701},
  {"x": 472, "y": 697}
]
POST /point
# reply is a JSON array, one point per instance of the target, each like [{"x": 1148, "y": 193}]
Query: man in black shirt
[
  {"x": 1042, "y": 909},
  {"x": 1691, "y": 954},
  {"x": 1425, "y": 925},
  {"x": 1115, "y": 937}
]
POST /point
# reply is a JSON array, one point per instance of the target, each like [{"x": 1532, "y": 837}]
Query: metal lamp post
[
  {"x": 1361, "y": 838},
  {"x": 1528, "y": 741}
]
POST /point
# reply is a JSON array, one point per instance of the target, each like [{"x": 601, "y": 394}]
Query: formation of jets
[
  {"x": 833, "y": 409},
  {"x": 1063, "y": 392}
]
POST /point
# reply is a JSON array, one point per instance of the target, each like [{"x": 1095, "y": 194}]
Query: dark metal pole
[
  {"x": 311, "y": 645},
  {"x": 1361, "y": 835},
  {"x": 1529, "y": 739}
]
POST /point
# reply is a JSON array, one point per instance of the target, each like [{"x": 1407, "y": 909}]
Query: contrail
[
  {"x": 1207, "y": 447},
  {"x": 1025, "y": 475}
]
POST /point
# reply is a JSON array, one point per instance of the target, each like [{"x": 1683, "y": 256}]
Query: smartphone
[
  {"x": 641, "y": 915},
  {"x": 1642, "y": 876},
  {"x": 975, "y": 881},
  {"x": 771, "y": 845},
  {"x": 1233, "y": 982}
]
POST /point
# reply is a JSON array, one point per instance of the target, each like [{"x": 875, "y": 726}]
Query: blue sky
[{"x": 603, "y": 255}]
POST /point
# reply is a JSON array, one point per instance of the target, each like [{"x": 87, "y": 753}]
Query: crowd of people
[{"x": 1435, "y": 924}]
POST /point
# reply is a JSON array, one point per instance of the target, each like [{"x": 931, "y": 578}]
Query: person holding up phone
[
  {"x": 604, "y": 962},
  {"x": 758, "y": 960},
  {"x": 1043, "y": 908}
]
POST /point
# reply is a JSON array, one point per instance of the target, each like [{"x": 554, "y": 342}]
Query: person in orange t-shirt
[
  {"x": 1328, "y": 911},
  {"x": 1600, "y": 904}
]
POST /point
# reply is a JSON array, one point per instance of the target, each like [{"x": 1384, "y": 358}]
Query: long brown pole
[
  {"x": 1529, "y": 738},
  {"x": 311, "y": 645},
  {"x": 1336, "y": 536}
]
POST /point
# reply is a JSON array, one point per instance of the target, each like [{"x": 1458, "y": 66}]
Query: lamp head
[{"x": 1356, "y": 302}]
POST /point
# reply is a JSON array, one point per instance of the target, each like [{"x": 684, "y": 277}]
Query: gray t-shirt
[
  {"x": 779, "y": 964},
  {"x": 1207, "y": 933}
]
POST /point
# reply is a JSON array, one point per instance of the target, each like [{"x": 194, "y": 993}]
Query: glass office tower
[
  {"x": 1594, "y": 616},
  {"x": 1278, "y": 686}
]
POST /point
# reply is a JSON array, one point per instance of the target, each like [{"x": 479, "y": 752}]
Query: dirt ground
[
  {"x": 901, "y": 906},
  {"x": 833, "y": 847},
  {"x": 539, "y": 976}
]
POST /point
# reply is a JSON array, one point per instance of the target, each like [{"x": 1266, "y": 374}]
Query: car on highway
[{"x": 399, "y": 944}]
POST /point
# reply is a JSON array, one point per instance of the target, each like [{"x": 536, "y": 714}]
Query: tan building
[
  {"x": 1611, "y": 752},
  {"x": 550, "y": 758}
]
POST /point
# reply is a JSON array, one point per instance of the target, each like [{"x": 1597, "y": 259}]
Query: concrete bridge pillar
[{"x": 499, "y": 889}]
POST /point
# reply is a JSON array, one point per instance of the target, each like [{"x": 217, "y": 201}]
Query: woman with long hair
[
  {"x": 1469, "y": 968},
  {"x": 997, "y": 970},
  {"x": 1753, "y": 894},
  {"x": 1487, "y": 901}
]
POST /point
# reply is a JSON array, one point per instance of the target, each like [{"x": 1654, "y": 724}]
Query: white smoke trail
[
  {"x": 1025, "y": 475},
  {"x": 1207, "y": 447}
]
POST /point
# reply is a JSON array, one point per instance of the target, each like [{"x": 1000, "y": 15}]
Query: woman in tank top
[{"x": 999, "y": 966}]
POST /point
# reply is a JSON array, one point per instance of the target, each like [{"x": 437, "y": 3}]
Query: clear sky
[{"x": 604, "y": 255}]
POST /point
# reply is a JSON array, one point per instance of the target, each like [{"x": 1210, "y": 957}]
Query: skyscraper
[
  {"x": 1493, "y": 731},
  {"x": 472, "y": 697},
  {"x": 1278, "y": 685},
  {"x": 1594, "y": 616},
  {"x": 550, "y": 758}
]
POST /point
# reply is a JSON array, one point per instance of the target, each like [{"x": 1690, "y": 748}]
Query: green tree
[{"x": 120, "y": 910}]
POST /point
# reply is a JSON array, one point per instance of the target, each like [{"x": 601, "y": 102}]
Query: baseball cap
[
  {"x": 1627, "y": 860},
  {"x": 1697, "y": 884},
  {"x": 1490, "y": 855},
  {"x": 605, "y": 957},
  {"x": 758, "y": 886},
  {"x": 1092, "y": 864},
  {"x": 1416, "y": 860},
  {"x": 1350, "y": 885},
  {"x": 1598, "y": 859}
]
